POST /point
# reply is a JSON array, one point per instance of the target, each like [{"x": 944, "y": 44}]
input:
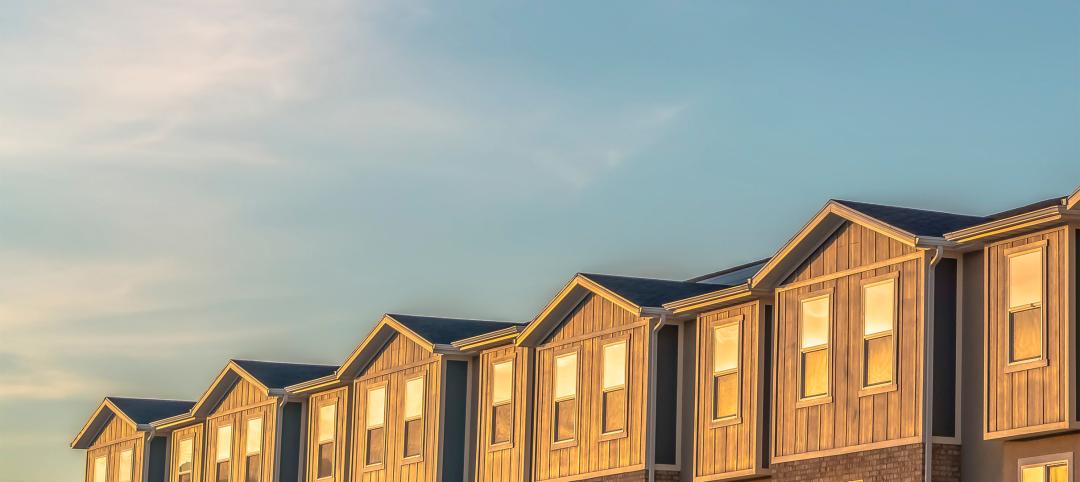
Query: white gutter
[{"x": 650, "y": 439}]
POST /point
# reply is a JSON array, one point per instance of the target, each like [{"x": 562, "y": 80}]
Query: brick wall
[
  {"x": 946, "y": 463},
  {"x": 901, "y": 464}
]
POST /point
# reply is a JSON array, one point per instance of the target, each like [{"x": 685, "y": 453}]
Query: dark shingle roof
[
  {"x": 281, "y": 375},
  {"x": 443, "y": 331},
  {"x": 732, "y": 276},
  {"x": 650, "y": 292},
  {"x": 146, "y": 410},
  {"x": 1056, "y": 201},
  {"x": 915, "y": 221}
]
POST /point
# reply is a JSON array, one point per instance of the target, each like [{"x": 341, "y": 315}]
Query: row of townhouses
[{"x": 880, "y": 343}]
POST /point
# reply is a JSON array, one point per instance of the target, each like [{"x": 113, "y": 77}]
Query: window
[
  {"x": 252, "y": 450},
  {"x": 101, "y": 469},
  {"x": 502, "y": 398},
  {"x": 376, "y": 425},
  {"x": 414, "y": 413},
  {"x": 1026, "y": 281},
  {"x": 185, "y": 459},
  {"x": 222, "y": 453},
  {"x": 565, "y": 396},
  {"x": 325, "y": 431},
  {"x": 725, "y": 370},
  {"x": 126, "y": 466},
  {"x": 814, "y": 321},
  {"x": 879, "y": 328},
  {"x": 1052, "y": 468},
  {"x": 614, "y": 387}
]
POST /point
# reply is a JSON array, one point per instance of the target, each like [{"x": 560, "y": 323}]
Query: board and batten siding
[
  {"x": 117, "y": 436},
  {"x": 586, "y": 329},
  {"x": 339, "y": 397},
  {"x": 1037, "y": 396},
  {"x": 401, "y": 360},
  {"x": 243, "y": 402},
  {"x": 849, "y": 420},
  {"x": 504, "y": 462},
  {"x": 728, "y": 447},
  {"x": 196, "y": 434}
]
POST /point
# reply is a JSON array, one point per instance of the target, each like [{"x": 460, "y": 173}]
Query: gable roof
[
  {"x": 277, "y": 375},
  {"x": 640, "y": 296},
  {"x": 1073, "y": 201},
  {"x": 271, "y": 377},
  {"x": 139, "y": 412},
  {"x": 919, "y": 222},
  {"x": 435, "y": 334}
]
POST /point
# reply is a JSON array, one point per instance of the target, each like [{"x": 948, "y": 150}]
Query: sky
[{"x": 186, "y": 182}]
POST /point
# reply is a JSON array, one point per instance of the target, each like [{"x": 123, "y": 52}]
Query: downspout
[
  {"x": 928, "y": 382},
  {"x": 650, "y": 439},
  {"x": 146, "y": 456}
]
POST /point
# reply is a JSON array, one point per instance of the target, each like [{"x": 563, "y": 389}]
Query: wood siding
[
  {"x": 503, "y": 462},
  {"x": 194, "y": 432},
  {"x": 398, "y": 362},
  {"x": 728, "y": 447},
  {"x": 849, "y": 420},
  {"x": 244, "y": 401},
  {"x": 1017, "y": 401},
  {"x": 340, "y": 398},
  {"x": 586, "y": 329},
  {"x": 117, "y": 436}
]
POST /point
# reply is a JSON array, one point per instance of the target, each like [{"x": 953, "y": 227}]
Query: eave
[
  {"x": 98, "y": 420},
  {"x": 489, "y": 340},
  {"x": 1012, "y": 224},
  {"x": 377, "y": 339},
  {"x": 217, "y": 389},
  {"x": 715, "y": 299}
]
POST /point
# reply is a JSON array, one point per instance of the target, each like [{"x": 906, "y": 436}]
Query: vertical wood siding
[
  {"x": 849, "y": 420},
  {"x": 195, "y": 432},
  {"x": 243, "y": 402},
  {"x": 1038, "y": 395},
  {"x": 505, "y": 462},
  {"x": 339, "y": 397},
  {"x": 116, "y": 437},
  {"x": 592, "y": 323},
  {"x": 399, "y": 361},
  {"x": 732, "y": 447}
]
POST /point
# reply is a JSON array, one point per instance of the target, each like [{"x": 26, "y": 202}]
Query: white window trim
[
  {"x": 828, "y": 346},
  {"x": 1018, "y": 365},
  {"x": 714, "y": 374},
  {"x": 1044, "y": 460}
]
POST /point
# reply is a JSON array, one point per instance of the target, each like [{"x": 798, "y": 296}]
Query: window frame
[
  {"x": 410, "y": 459},
  {"x": 1045, "y": 461},
  {"x": 1010, "y": 253},
  {"x": 330, "y": 402},
  {"x": 94, "y": 463},
  {"x": 246, "y": 456},
  {"x": 828, "y": 347},
  {"x": 179, "y": 444},
  {"x": 864, "y": 389},
  {"x": 714, "y": 375},
  {"x": 130, "y": 467},
  {"x": 512, "y": 360},
  {"x": 385, "y": 385},
  {"x": 625, "y": 431},
  {"x": 555, "y": 355},
  {"x": 232, "y": 447}
]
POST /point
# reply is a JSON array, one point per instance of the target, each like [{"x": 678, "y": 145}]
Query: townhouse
[{"x": 878, "y": 343}]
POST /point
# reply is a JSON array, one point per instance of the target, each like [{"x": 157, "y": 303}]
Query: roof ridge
[
  {"x": 698, "y": 279},
  {"x": 639, "y": 277},
  {"x": 895, "y": 206},
  {"x": 280, "y": 362}
]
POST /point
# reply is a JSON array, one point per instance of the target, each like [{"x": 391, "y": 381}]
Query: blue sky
[{"x": 181, "y": 183}]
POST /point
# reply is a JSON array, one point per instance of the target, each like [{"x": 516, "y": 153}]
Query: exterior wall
[
  {"x": 117, "y": 436},
  {"x": 975, "y": 451},
  {"x": 1022, "y": 449},
  {"x": 849, "y": 419},
  {"x": 504, "y": 462},
  {"x": 399, "y": 361},
  {"x": 1036, "y": 397},
  {"x": 194, "y": 432},
  {"x": 244, "y": 402},
  {"x": 730, "y": 447},
  {"x": 594, "y": 322},
  {"x": 340, "y": 398}
]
